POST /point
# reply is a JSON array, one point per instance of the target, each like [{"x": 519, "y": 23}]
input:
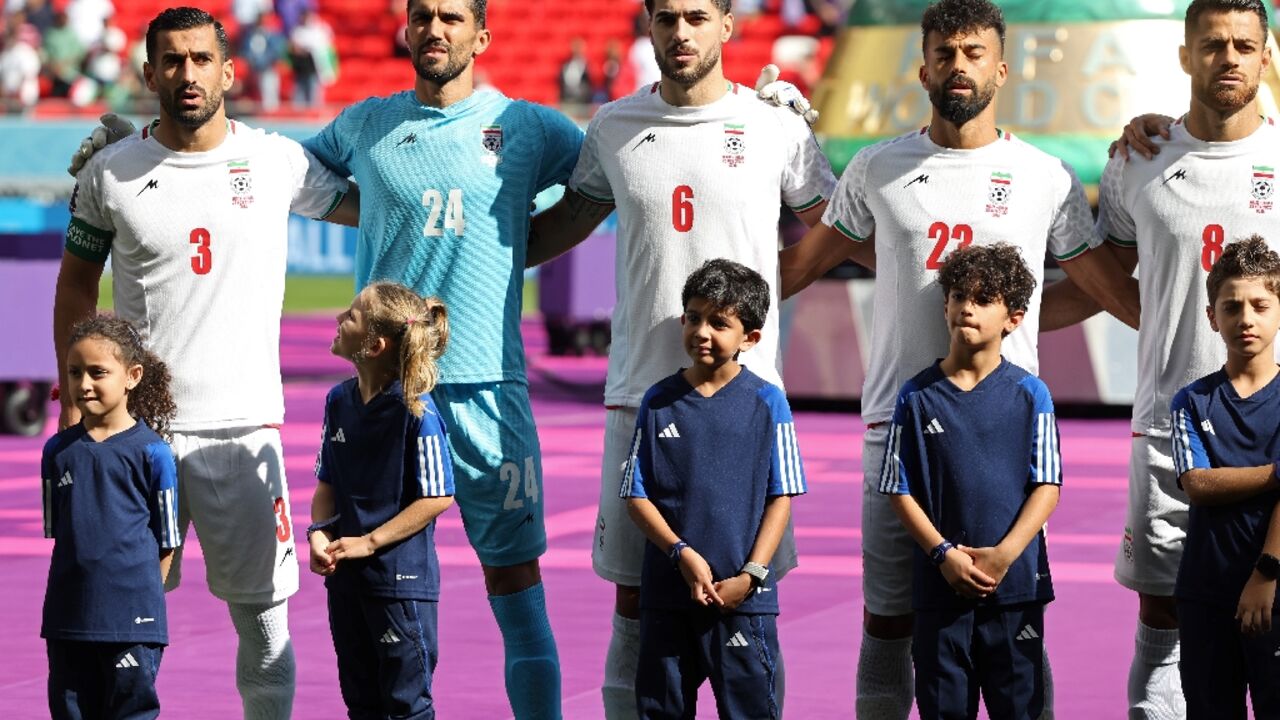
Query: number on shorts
[
  {"x": 1213, "y": 238},
  {"x": 942, "y": 233},
  {"x": 509, "y": 473},
  {"x": 284, "y": 528},
  {"x": 433, "y": 200}
]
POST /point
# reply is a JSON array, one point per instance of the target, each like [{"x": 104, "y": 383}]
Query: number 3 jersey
[
  {"x": 922, "y": 201},
  {"x": 1179, "y": 209},
  {"x": 198, "y": 244},
  {"x": 692, "y": 184}
]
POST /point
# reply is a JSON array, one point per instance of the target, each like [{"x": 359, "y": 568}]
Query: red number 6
[{"x": 681, "y": 208}]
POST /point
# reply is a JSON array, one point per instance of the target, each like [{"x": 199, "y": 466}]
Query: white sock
[
  {"x": 885, "y": 679},
  {"x": 619, "y": 689},
  {"x": 264, "y": 660},
  {"x": 1155, "y": 688}
]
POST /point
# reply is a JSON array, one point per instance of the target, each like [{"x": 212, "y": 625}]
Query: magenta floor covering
[{"x": 1089, "y": 629}]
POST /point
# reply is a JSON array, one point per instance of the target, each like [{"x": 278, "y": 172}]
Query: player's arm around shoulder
[{"x": 585, "y": 203}]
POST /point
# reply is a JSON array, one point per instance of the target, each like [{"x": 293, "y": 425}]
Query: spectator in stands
[
  {"x": 63, "y": 54},
  {"x": 575, "y": 77},
  {"x": 105, "y": 63},
  {"x": 610, "y": 71},
  {"x": 248, "y": 12},
  {"x": 290, "y": 13},
  {"x": 19, "y": 65},
  {"x": 644, "y": 67},
  {"x": 87, "y": 19},
  {"x": 262, "y": 47},
  {"x": 315, "y": 63},
  {"x": 39, "y": 14}
]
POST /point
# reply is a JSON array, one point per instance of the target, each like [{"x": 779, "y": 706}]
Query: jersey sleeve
[
  {"x": 91, "y": 230},
  {"x": 848, "y": 212},
  {"x": 897, "y": 468},
  {"x": 588, "y": 178},
  {"x": 162, "y": 471},
  {"x": 1071, "y": 233},
  {"x": 1188, "y": 442},
  {"x": 317, "y": 190},
  {"x": 638, "y": 464},
  {"x": 1046, "y": 459},
  {"x": 335, "y": 144},
  {"x": 786, "y": 471},
  {"x": 48, "y": 479},
  {"x": 434, "y": 465},
  {"x": 807, "y": 179},
  {"x": 562, "y": 144},
  {"x": 1115, "y": 224}
]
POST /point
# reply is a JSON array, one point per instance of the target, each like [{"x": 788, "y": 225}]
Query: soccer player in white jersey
[
  {"x": 958, "y": 181},
  {"x": 697, "y": 168},
  {"x": 1212, "y": 181},
  {"x": 193, "y": 213}
]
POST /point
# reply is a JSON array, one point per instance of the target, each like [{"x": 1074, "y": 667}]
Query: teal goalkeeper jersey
[{"x": 445, "y": 195}]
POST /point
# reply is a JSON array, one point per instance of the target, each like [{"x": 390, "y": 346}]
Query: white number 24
[
  {"x": 510, "y": 474},
  {"x": 433, "y": 200}
]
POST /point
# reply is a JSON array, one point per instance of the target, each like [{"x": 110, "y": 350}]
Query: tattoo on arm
[{"x": 579, "y": 206}]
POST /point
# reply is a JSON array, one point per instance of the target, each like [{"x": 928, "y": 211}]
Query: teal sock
[{"x": 532, "y": 665}]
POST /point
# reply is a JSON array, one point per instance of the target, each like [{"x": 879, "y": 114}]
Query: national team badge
[
  {"x": 241, "y": 183},
  {"x": 998, "y": 194},
  {"x": 491, "y": 142},
  {"x": 1264, "y": 185},
  {"x": 735, "y": 144}
]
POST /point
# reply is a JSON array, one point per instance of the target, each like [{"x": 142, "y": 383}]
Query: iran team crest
[
  {"x": 998, "y": 194},
  {"x": 735, "y": 144},
  {"x": 491, "y": 143},
  {"x": 1262, "y": 188},
  {"x": 241, "y": 183}
]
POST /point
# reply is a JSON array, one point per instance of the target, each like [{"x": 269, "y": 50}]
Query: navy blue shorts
[
  {"x": 1218, "y": 664},
  {"x": 386, "y": 655},
  {"x": 681, "y": 649},
  {"x": 103, "y": 680},
  {"x": 996, "y": 650}
]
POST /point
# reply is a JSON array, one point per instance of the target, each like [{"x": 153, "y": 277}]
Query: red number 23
[{"x": 943, "y": 233}]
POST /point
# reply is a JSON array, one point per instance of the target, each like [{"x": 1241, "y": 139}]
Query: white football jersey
[
  {"x": 198, "y": 244},
  {"x": 1179, "y": 209},
  {"x": 692, "y": 184},
  {"x": 922, "y": 201}
]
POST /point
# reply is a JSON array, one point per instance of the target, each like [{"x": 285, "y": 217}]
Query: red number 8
[{"x": 1213, "y": 237}]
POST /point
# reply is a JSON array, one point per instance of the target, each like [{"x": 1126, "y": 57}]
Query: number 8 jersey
[
  {"x": 692, "y": 184},
  {"x": 1179, "y": 209},
  {"x": 922, "y": 201},
  {"x": 198, "y": 243}
]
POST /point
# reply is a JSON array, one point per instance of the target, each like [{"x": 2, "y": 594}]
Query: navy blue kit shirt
[
  {"x": 708, "y": 464},
  {"x": 110, "y": 507},
  {"x": 379, "y": 459},
  {"x": 970, "y": 459},
  {"x": 1213, "y": 427}
]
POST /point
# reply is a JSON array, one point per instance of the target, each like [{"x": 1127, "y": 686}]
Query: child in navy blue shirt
[
  {"x": 713, "y": 468},
  {"x": 973, "y": 468},
  {"x": 110, "y": 504},
  {"x": 385, "y": 474},
  {"x": 1226, "y": 440}
]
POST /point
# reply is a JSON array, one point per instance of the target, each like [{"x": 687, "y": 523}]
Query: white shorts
[
  {"x": 886, "y": 547},
  {"x": 1156, "y": 521},
  {"x": 231, "y": 484},
  {"x": 617, "y": 552}
]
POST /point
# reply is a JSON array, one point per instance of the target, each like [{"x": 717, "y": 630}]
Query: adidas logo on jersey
[
  {"x": 669, "y": 431},
  {"x": 66, "y": 479},
  {"x": 1028, "y": 633},
  {"x": 127, "y": 662},
  {"x": 338, "y": 437},
  {"x": 737, "y": 641},
  {"x": 933, "y": 428},
  {"x": 1207, "y": 426},
  {"x": 389, "y": 637}
]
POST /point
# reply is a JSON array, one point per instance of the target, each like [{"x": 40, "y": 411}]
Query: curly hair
[
  {"x": 185, "y": 18},
  {"x": 418, "y": 328},
  {"x": 1200, "y": 7},
  {"x": 987, "y": 274},
  {"x": 1248, "y": 258},
  {"x": 150, "y": 401},
  {"x": 949, "y": 18},
  {"x": 730, "y": 286}
]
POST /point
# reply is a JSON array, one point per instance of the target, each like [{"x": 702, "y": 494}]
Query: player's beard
[
  {"x": 1229, "y": 100},
  {"x": 960, "y": 109},
  {"x": 195, "y": 118},
  {"x": 688, "y": 76},
  {"x": 458, "y": 59}
]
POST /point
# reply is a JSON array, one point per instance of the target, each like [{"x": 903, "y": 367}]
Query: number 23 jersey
[{"x": 922, "y": 201}]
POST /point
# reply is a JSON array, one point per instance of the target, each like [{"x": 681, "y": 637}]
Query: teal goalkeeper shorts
[{"x": 497, "y": 469}]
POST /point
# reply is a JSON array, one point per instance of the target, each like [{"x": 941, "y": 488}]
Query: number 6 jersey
[
  {"x": 692, "y": 184},
  {"x": 1179, "y": 209},
  {"x": 922, "y": 201},
  {"x": 198, "y": 243}
]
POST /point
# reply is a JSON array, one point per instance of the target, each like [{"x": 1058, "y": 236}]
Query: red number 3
[
  {"x": 284, "y": 528},
  {"x": 202, "y": 261},
  {"x": 681, "y": 208},
  {"x": 942, "y": 233}
]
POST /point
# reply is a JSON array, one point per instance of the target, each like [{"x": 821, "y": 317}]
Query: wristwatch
[
  {"x": 939, "y": 553},
  {"x": 674, "y": 553},
  {"x": 759, "y": 573},
  {"x": 1268, "y": 566}
]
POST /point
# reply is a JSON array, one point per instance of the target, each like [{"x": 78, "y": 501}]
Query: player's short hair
[
  {"x": 949, "y": 18},
  {"x": 1200, "y": 7},
  {"x": 987, "y": 274},
  {"x": 1248, "y": 258},
  {"x": 731, "y": 287},
  {"x": 724, "y": 6},
  {"x": 479, "y": 8},
  {"x": 185, "y": 18}
]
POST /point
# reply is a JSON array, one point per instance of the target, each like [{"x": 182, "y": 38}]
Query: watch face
[{"x": 1269, "y": 566}]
